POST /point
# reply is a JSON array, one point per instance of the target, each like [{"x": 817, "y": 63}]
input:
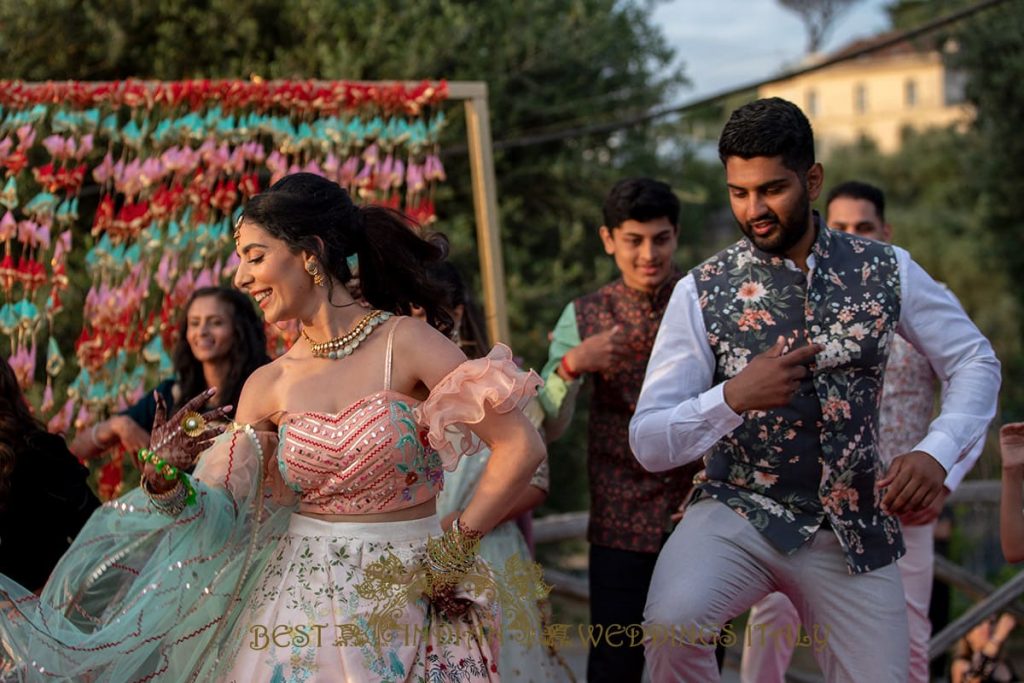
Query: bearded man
[{"x": 770, "y": 358}]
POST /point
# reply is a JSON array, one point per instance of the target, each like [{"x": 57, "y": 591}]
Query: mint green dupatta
[{"x": 141, "y": 596}]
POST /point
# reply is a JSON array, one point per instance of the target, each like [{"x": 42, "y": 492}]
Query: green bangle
[{"x": 169, "y": 472}]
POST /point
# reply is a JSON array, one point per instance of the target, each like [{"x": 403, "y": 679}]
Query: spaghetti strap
[{"x": 387, "y": 355}]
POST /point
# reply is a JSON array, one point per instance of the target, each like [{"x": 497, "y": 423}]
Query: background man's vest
[
  {"x": 629, "y": 506},
  {"x": 787, "y": 470}
]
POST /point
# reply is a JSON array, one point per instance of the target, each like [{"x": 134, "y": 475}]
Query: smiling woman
[
  {"x": 220, "y": 341},
  {"x": 306, "y": 541}
]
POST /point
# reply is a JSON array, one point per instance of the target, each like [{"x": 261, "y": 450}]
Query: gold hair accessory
[
  {"x": 343, "y": 346},
  {"x": 318, "y": 277},
  {"x": 193, "y": 424}
]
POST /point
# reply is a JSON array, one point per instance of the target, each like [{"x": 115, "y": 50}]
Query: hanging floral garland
[{"x": 171, "y": 163}]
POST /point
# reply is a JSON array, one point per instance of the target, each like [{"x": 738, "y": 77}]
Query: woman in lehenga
[{"x": 298, "y": 550}]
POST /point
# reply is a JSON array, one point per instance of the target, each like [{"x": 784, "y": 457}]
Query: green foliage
[
  {"x": 992, "y": 54},
  {"x": 908, "y": 14}
]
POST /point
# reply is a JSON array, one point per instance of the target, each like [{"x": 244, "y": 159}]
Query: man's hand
[
  {"x": 770, "y": 379},
  {"x": 1011, "y": 445},
  {"x": 599, "y": 352},
  {"x": 928, "y": 514},
  {"x": 914, "y": 481}
]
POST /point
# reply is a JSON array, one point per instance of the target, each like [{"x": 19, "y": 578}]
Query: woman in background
[{"x": 221, "y": 340}]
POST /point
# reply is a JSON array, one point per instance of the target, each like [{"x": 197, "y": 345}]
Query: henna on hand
[{"x": 180, "y": 440}]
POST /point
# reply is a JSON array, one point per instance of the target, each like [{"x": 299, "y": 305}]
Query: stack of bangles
[
  {"x": 451, "y": 556},
  {"x": 174, "y": 500}
]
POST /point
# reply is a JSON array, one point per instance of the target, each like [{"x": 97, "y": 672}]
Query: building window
[
  {"x": 955, "y": 87},
  {"x": 860, "y": 98},
  {"x": 910, "y": 93},
  {"x": 812, "y": 103}
]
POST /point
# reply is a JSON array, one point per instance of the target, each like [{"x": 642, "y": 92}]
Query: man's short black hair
[
  {"x": 642, "y": 200},
  {"x": 769, "y": 127},
  {"x": 854, "y": 189}
]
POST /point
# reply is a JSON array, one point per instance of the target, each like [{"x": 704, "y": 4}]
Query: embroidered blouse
[{"x": 386, "y": 451}]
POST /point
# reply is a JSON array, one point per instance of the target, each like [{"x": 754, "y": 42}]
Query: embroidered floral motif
[{"x": 785, "y": 470}]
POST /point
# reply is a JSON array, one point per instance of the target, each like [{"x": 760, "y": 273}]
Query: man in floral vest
[
  {"x": 606, "y": 336},
  {"x": 770, "y": 359},
  {"x": 908, "y": 402}
]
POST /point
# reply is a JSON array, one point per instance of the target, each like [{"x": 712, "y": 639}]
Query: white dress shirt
[{"x": 680, "y": 414}]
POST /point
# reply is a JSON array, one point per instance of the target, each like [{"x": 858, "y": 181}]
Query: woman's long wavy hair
[
  {"x": 248, "y": 348},
  {"x": 308, "y": 212},
  {"x": 16, "y": 424}
]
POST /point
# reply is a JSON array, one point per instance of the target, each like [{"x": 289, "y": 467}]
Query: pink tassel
[{"x": 61, "y": 420}]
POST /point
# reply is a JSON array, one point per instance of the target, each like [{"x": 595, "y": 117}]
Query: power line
[{"x": 630, "y": 121}]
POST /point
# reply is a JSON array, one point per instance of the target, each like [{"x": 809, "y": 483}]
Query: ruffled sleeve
[{"x": 462, "y": 398}]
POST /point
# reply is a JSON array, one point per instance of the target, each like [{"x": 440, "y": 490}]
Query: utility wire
[{"x": 556, "y": 135}]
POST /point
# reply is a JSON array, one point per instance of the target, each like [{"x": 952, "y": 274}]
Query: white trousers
[
  {"x": 715, "y": 566},
  {"x": 775, "y": 611}
]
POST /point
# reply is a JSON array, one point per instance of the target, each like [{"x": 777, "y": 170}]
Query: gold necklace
[{"x": 343, "y": 346}]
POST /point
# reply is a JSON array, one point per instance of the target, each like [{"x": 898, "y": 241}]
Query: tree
[
  {"x": 908, "y": 14},
  {"x": 818, "y": 17},
  {"x": 991, "y": 54}
]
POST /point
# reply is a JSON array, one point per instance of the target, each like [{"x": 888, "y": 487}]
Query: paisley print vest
[
  {"x": 630, "y": 508},
  {"x": 786, "y": 470}
]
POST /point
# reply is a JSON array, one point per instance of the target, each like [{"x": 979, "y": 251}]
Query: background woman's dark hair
[
  {"x": 16, "y": 425},
  {"x": 309, "y": 212},
  {"x": 248, "y": 347},
  {"x": 473, "y": 339}
]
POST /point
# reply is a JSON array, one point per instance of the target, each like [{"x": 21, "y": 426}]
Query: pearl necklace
[{"x": 343, "y": 346}]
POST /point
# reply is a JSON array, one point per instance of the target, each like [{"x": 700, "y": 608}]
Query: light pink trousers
[
  {"x": 715, "y": 566},
  {"x": 768, "y": 664}
]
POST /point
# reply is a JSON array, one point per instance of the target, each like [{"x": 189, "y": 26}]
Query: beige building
[{"x": 877, "y": 95}]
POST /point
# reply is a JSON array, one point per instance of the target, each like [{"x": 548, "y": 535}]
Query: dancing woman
[{"x": 305, "y": 546}]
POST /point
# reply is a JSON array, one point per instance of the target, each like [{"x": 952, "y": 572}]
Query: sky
[{"x": 727, "y": 43}]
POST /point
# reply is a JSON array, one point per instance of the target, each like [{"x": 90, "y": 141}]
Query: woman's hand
[
  {"x": 132, "y": 437},
  {"x": 449, "y": 558},
  {"x": 446, "y": 521},
  {"x": 181, "y": 439}
]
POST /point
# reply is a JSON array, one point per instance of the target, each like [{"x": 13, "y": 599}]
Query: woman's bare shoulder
[
  {"x": 260, "y": 393},
  {"x": 430, "y": 354}
]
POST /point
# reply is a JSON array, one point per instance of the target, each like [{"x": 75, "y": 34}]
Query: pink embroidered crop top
[{"x": 386, "y": 451}]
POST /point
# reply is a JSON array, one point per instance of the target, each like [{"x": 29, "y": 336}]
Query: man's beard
[{"x": 790, "y": 228}]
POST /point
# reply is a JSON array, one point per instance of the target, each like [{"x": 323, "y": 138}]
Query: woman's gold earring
[{"x": 318, "y": 277}]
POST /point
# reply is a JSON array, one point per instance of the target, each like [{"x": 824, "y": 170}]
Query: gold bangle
[{"x": 171, "y": 502}]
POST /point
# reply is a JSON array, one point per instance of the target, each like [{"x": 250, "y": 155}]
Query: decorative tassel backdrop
[{"x": 172, "y": 162}]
